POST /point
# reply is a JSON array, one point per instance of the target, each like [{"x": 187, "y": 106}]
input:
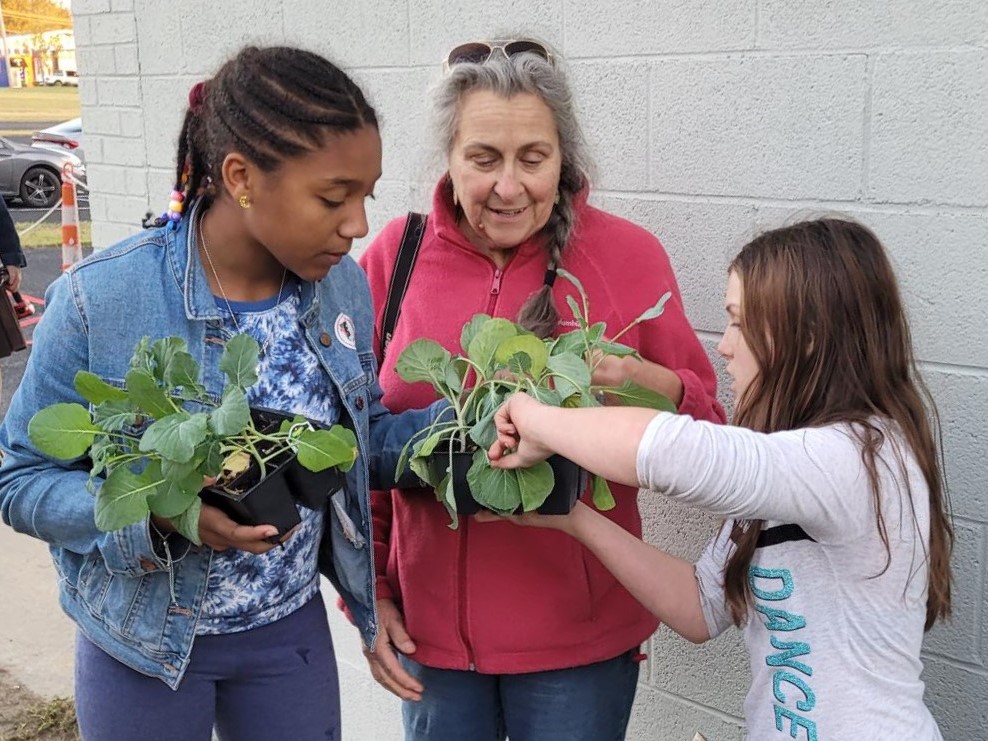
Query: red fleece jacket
[{"x": 495, "y": 597}]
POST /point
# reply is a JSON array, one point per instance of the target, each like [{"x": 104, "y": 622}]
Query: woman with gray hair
[{"x": 502, "y": 631}]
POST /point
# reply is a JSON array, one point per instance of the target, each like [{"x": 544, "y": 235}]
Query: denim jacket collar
[{"x": 188, "y": 270}]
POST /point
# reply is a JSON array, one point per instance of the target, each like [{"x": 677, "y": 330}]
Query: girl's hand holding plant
[{"x": 517, "y": 445}]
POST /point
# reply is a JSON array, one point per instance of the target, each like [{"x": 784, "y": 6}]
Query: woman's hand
[
  {"x": 14, "y": 282},
  {"x": 516, "y": 446},
  {"x": 219, "y": 532},
  {"x": 383, "y": 660},
  {"x": 534, "y": 519}
]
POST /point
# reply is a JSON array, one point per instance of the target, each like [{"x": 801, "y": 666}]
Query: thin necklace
[{"x": 205, "y": 251}]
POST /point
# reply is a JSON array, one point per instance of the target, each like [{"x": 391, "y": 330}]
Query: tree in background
[{"x": 34, "y": 16}]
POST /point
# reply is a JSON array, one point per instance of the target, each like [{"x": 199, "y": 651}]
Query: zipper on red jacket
[
  {"x": 464, "y": 529},
  {"x": 495, "y": 290}
]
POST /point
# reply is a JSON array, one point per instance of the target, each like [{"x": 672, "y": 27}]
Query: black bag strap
[{"x": 408, "y": 250}]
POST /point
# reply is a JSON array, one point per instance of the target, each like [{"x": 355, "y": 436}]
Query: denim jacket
[{"x": 136, "y": 604}]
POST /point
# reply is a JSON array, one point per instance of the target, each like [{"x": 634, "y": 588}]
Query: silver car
[
  {"x": 66, "y": 135},
  {"x": 34, "y": 174}
]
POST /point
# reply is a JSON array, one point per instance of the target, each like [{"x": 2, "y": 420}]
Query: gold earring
[
  {"x": 556, "y": 200},
  {"x": 244, "y": 201}
]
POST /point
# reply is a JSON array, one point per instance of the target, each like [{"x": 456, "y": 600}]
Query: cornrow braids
[{"x": 268, "y": 103}]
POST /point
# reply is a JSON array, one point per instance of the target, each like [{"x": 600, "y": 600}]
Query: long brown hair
[{"x": 822, "y": 316}]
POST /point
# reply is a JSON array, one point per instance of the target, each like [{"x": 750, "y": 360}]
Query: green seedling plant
[
  {"x": 501, "y": 358},
  {"x": 152, "y": 443}
]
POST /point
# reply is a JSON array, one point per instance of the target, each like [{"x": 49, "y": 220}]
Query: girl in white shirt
[{"x": 834, "y": 556}]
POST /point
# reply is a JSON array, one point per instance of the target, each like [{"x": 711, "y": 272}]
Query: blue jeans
[
  {"x": 586, "y": 703},
  {"x": 276, "y": 681}
]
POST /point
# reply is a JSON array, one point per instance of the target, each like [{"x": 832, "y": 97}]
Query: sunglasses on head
[{"x": 478, "y": 52}]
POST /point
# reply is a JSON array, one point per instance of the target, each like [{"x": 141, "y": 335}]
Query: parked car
[
  {"x": 34, "y": 174},
  {"x": 61, "y": 77},
  {"x": 66, "y": 135}
]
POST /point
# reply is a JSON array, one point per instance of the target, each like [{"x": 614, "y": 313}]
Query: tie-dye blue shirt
[{"x": 245, "y": 590}]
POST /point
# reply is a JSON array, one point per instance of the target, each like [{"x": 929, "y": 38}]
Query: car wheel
[
  {"x": 40, "y": 188},
  {"x": 58, "y": 83}
]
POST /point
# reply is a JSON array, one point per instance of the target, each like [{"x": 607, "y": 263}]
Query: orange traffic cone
[{"x": 71, "y": 248}]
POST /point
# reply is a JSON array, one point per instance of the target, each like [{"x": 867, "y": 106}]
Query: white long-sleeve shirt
[{"x": 834, "y": 638}]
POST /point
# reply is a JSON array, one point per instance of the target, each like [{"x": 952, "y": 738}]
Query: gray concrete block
[
  {"x": 372, "y": 33},
  {"x": 929, "y": 114},
  {"x": 960, "y": 637},
  {"x": 962, "y": 399},
  {"x": 612, "y": 105},
  {"x": 782, "y": 127},
  {"x": 843, "y": 24},
  {"x": 112, "y": 28},
  {"x": 436, "y": 26},
  {"x": 657, "y": 715},
  {"x": 637, "y": 27},
  {"x": 958, "y": 699}
]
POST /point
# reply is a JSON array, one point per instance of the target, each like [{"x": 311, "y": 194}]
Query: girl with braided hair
[
  {"x": 277, "y": 154},
  {"x": 499, "y": 630}
]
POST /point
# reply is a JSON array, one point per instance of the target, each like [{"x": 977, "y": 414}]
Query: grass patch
[
  {"x": 31, "y": 104},
  {"x": 50, "y": 235},
  {"x": 46, "y": 719}
]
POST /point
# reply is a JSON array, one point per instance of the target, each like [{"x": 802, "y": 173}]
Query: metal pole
[{"x": 6, "y": 55}]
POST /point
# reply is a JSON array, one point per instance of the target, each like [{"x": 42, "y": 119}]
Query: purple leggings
[{"x": 276, "y": 681}]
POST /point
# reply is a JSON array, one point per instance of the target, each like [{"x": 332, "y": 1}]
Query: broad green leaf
[
  {"x": 546, "y": 396},
  {"x": 147, "y": 395},
  {"x": 485, "y": 343},
  {"x": 175, "y": 437},
  {"x": 574, "y": 341},
  {"x": 187, "y": 523},
  {"x": 232, "y": 415},
  {"x": 535, "y": 484},
  {"x": 470, "y": 330},
  {"x": 321, "y": 449},
  {"x": 570, "y": 374},
  {"x": 425, "y": 470},
  {"x": 101, "y": 454},
  {"x": 182, "y": 371},
  {"x": 494, "y": 488},
  {"x": 123, "y": 498},
  {"x": 655, "y": 311},
  {"x": 424, "y": 360},
  {"x": 529, "y": 345},
  {"x": 454, "y": 377},
  {"x": 595, "y": 332},
  {"x": 446, "y": 495},
  {"x": 163, "y": 352},
  {"x": 173, "y": 495},
  {"x": 632, "y": 395},
  {"x": 602, "y": 497},
  {"x": 113, "y": 416},
  {"x": 520, "y": 366},
  {"x": 62, "y": 431},
  {"x": 483, "y": 432},
  {"x": 142, "y": 359},
  {"x": 210, "y": 458},
  {"x": 95, "y": 390},
  {"x": 239, "y": 360}
]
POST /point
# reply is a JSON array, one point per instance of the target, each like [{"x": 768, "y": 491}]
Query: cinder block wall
[{"x": 710, "y": 121}]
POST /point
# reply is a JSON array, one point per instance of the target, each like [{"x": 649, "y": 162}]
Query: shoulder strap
[{"x": 408, "y": 250}]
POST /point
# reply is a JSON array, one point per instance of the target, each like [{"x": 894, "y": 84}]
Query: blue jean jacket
[{"x": 136, "y": 604}]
